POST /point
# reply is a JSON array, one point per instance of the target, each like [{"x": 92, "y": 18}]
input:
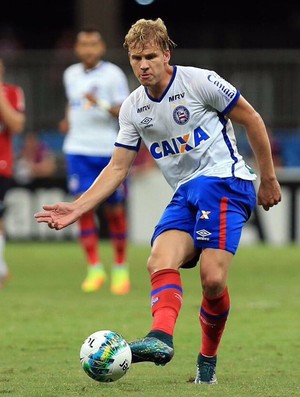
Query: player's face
[
  {"x": 150, "y": 65},
  {"x": 89, "y": 48}
]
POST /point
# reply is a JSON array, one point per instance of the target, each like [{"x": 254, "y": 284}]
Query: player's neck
[
  {"x": 157, "y": 90},
  {"x": 89, "y": 67}
]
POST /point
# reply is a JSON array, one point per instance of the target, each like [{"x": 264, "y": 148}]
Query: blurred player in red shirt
[{"x": 12, "y": 121}]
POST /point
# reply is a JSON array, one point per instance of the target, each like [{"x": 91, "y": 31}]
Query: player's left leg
[
  {"x": 117, "y": 226},
  {"x": 224, "y": 209},
  {"x": 214, "y": 310}
]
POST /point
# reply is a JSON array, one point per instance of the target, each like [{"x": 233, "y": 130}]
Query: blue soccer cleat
[
  {"x": 151, "y": 349},
  {"x": 206, "y": 370}
]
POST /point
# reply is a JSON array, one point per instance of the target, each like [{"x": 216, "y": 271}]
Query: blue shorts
[
  {"x": 212, "y": 210},
  {"x": 83, "y": 170}
]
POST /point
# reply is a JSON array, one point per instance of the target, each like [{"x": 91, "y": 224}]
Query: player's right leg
[
  {"x": 116, "y": 216},
  {"x": 96, "y": 275},
  {"x": 170, "y": 250}
]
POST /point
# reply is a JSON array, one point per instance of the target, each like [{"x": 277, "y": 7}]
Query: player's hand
[
  {"x": 91, "y": 98},
  {"x": 58, "y": 216},
  {"x": 63, "y": 126},
  {"x": 269, "y": 193},
  {"x": 98, "y": 102}
]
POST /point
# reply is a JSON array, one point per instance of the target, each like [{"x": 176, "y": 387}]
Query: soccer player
[
  {"x": 12, "y": 121},
  {"x": 184, "y": 116},
  {"x": 95, "y": 90}
]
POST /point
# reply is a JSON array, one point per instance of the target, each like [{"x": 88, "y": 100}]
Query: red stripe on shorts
[{"x": 223, "y": 222}]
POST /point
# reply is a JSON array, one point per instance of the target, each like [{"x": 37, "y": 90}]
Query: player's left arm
[
  {"x": 12, "y": 116},
  {"x": 243, "y": 113},
  {"x": 60, "y": 215}
]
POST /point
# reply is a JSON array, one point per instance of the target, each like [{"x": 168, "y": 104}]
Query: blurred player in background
[
  {"x": 12, "y": 121},
  {"x": 95, "y": 90},
  {"x": 184, "y": 115}
]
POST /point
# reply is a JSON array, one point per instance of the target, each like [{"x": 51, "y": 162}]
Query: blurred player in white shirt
[
  {"x": 95, "y": 90},
  {"x": 184, "y": 116}
]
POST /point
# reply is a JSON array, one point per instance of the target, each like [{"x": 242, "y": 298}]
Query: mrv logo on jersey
[{"x": 179, "y": 144}]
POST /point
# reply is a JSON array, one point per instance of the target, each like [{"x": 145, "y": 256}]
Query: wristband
[{"x": 103, "y": 104}]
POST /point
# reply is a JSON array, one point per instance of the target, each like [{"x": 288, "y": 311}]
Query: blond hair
[{"x": 145, "y": 30}]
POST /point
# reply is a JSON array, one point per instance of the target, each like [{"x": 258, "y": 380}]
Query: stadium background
[{"x": 257, "y": 50}]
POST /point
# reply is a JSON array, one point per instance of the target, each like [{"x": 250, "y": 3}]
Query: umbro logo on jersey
[
  {"x": 203, "y": 234},
  {"x": 147, "y": 122}
]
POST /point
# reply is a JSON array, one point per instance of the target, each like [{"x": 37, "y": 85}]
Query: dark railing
[{"x": 269, "y": 79}]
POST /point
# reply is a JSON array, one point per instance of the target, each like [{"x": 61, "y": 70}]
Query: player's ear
[
  {"x": 167, "y": 56},
  {"x": 103, "y": 47}
]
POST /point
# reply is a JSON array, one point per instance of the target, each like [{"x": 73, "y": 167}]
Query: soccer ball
[{"x": 105, "y": 356}]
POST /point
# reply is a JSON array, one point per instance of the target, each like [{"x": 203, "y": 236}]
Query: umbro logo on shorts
[{"x": 203, "y": 234}]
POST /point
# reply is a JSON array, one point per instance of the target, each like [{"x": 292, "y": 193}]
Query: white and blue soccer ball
[{"x": 105, "y": 356}]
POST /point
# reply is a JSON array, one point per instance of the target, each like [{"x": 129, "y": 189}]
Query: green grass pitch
[{"x": 45, "y": 318}]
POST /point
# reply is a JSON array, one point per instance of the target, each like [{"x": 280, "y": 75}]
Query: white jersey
[
  {"x": 186, "y": 130},
  {"x": 93, "y": 130}
]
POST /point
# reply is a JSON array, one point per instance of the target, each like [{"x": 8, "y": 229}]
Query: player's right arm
[
  {"x": 60, "y": 215},
  {"x": 63, "y": 125}
]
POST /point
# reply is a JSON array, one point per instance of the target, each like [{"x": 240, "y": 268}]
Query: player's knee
[
  {"x": 153, "y": 264},
  {"x": 157, "y": 262},
  {"x": 213, "y": 284}
]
